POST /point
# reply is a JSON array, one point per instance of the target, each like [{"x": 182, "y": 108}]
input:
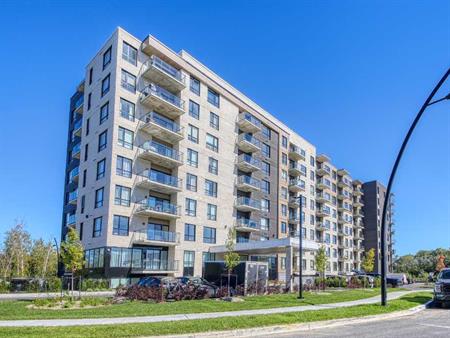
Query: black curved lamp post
[{"x": 427, "y": 103}]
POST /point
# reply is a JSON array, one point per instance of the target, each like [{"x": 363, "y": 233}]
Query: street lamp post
[
  {"x": 427, "y": 103},
  {"x": 300, "y": 248}
]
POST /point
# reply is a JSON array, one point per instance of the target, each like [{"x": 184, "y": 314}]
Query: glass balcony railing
[
  {"x": 247, "y": 223},
  {"x": 74, "y": 173},
  {"x": 250, "y": 118},
  {"x": 159, "y": 205},
  {"x": 250, "y": 139},
  {"x": 162, "y": 178},
  {"x": 162, "y": 150},
  {"x": 158, "y": 265},
  {"x": 166, "y": 68},
  {"x": 324, "y": 182},
  {"x": 165, "y": 95},
  {"x": 79, "y": 102},
  {"x": 73, "y": 195},
  {"x": 244, "y": 179},
  {"x": 161, "y": 235},
  {"x": 250, "y": 202},
  {"x": 297, "y": 182},
  {"x": 77, "y": 124},
  {"x": 162, "y": 122},
  {"x": 76, "y": 149},
  {"x": 250, "y": 160},
  {"x": 70, "y": 219},
  {"x": 297, "y": 150}
]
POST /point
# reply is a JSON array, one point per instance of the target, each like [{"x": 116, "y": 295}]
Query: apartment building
[
  {"x": 164, "y": 157},
  {"x": 374, "y": 196}
]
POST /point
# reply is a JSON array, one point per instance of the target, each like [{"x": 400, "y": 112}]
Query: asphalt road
[{"x": 432, "y": 322}]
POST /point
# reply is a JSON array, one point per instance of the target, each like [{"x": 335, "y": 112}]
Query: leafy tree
[
  {"x": 16, "y": 252},
  {"x": 321, "y": 263},
  {"x": 72, "y": 253},
  {"x": 368, "y": 262},
  {"x": 43, "y": 259},
  {"x": 231, "y": 258},
  {"x": 421, "y": 263}
]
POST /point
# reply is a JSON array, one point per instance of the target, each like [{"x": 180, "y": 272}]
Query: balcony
[
  {"x": 296, "y": 153},
  {"x": 323, "y": 170},
  {"x": 248, "y": 183},
  {"x": 295, "y": 169},
  {"x": 160, "y": 154},
  {"x": 247, "y": 225},
  {"x": 323, "y": 212},
  {"x": 248, "y": 123},
  {"x": 150, "y": 266},
  {"x": 76, "y": 150},
  {"x": 322, "y": 227},
  {"x": 161, "y": 127},
  {"x": 70, "y": 220},
  {"x": 358, "y": 224},
  {"x": 74, "y": 174},
  {"x": 344, "y": 183},
  {"x": 294, "y": 202},
  {"x": 358, "y": 236},
  {"x": 358, "y": 202},
  {"x": 162, "y": 101},
  {"x": 344, "y": 195},
  {"x": 342, "y": 220},
  {"x": 156, "y": 237},
  {"x": 296, "y": 185},
  {"x": 323, "y": 184},
  {"x": 248, "y": 204},
  {"x": 72, "y": 198},
  {"x": 78, "y": 106},
  {"x": 343, "y": 207},
  {"x": 248, "y": 143},
  {"x": 163, "y": 74},
  {"x": 77, "y": 127},
  {"x": 357, "y": 191},
  {"x": 323, "y": 198},
  {"x": 157, "y": 208},
  {"x": 358, "y": 213},
  {"x": 158, "y": 181},
  {"x": 248, "y": 163}
]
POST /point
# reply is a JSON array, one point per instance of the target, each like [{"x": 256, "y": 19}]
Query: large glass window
[
  {"x": 102, "y": 139},
  {"x": 265, "y": 149},
  {"x": 265, "y": 205},
  {"x": 94, "y": 258},
  {"x": 121, "y": 225},
  {"x": 99, "y": 198},
  {"x": 127, "y": 109},
  {"x": 105, "y": 85},
  {"x": 129, "y": 53},
  {"x": 189, "y": 232},
  {"x": 265, "y": 187},
  {"x": 97, "y": 228},
  {"x": 211, "y": 188},
  {"x": 128, "y": 81},
  {"x": 194, "y": 109},
  {"x": 126, "y": 138},
  {"x": 191, "y": 207},
  {"x": 209, "y": 235},
  {"x": 192, "y": 133},
  {"x": 104, "y": 112},
  {"x": 107, "y": 57},
  {"x": 212, "y": 142},
  {"x": 101, "y": 167},
  {"x": 213, "y": 98},
  {"x": 213, "y": 166},
  {"x": 122, "y": 196},
  {"x": 188, "y": 263},
  {"x": 191, "y": 182},
  {"x": 194, "y": 85},
  {"x": 192, "y": 158},
  {"x": 214, "y": 120},
  {"x": 124, "y": 166},
  {"x": 265, "y": 167},
  {"x": 212, "y": 212}
]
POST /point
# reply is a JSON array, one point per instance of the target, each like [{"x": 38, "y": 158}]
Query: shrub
[
  {"x": 4, "y": 286},
  {"x": 93, "y": 301},
  {"x": 54, "y": 284},
  {"x": 354, "y": 282},
  {"x": 135, "y": 292},
  {"x": 377, "y": 282},
  {"x": 94, "y": 284}
]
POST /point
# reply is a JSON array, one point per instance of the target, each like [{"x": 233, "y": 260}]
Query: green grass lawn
[
  {"x": 218, "y": 324},
  {"x": 10, "y": 310}
]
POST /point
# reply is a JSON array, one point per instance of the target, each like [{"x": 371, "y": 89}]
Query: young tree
[
  {"x": 321, "y": 263},
  {"x": 231, "y": 258},
  {"x": 72, "y": 253},
  {"x": 368, "y": 262},
  {"x": 16, "y": 251},
  {"x": 43, "y": 259},
  {"x": 440, "y": 263}
]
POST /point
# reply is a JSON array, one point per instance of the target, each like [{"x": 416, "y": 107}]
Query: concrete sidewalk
[
  {"x": 36, "y": 295},
  {"x": 193, "y": 316}
]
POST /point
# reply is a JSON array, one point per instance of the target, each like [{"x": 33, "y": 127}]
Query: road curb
[{"x": 279, "y": 329}]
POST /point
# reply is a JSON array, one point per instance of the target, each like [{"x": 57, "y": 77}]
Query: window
[
  {"x": 265, "y": 167},
  {"x": 284, "y": 210},
  {"x": 266, "y": 132},
  {"x": 124, "y": 166},
  {"x": 194, "y": 109},
  {"x": 126, "y": 138},
  {"x": 122, "y": 196},
  {"x": 211, "y": 188},
  {"x": 284, "y": 193},
  {"x": 264, "y": 224},
  {"x": 283, "y": 227},
  {"x": 105, "y": 85},
  {"x": 191, "y": 207},
  {"x": 86, "y": 151},
  {"x": 101, "y": 166},
  {"x": 128, "y": 81},
  {"x": 209, "y": 235},
  {"x": 192, "y": 158},
  {"x": 188, "y": 263},
  {"x": 284, "y": 175},
  {"x": 212, "y": 142},
  {"x": 121, "y": 225},
  {"x": 209, "y": 257},
  {"x": 127, "y": 109},
  {"x": 284, "y": 159},
  {"x": 104, "y": 112},
  {"x": 213, "y": 166},
  {"x": 84, "y": 177},
  {"x": 99, "y": 198},
  {"x": 265, "y": 149},
  {"x": 87, "y": 126},
  {"x": 212, "y": 212},
  {"x": 194, "y": 85},
  {"x": 89, "y": 101},
  {"x": 265, "y": 205},
  {"x": 129, "y": 53},
  {"x": 102, "y": 140},
  {"x": 97, "y": 228},
  {"x": 214, "y": 120},
  {"x": 81, "y": 231},
  {"x": 284, "y": 142},
  {"x": 189, "y": 232},
  {"x": 265, "y": 186},
  {"x": 213, "y": 98},
  {"x": 83, "y": 203},
  {"x": 312, "y": 161},
  {"x": 91, "y": 72},
  {"x": 192, "y": 133},
  {"x": 106, "y": 58},
  {"x": 191, "y": 182}
]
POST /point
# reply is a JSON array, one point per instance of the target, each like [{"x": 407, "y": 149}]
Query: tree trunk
[
  {"x": 229, "y": 280},
  {"x": 71, "y": 279}
]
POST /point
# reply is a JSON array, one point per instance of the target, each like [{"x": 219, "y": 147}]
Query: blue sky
[{"x": 347, "y": 75}]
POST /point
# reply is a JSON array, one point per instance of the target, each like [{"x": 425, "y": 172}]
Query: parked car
[
  {"x": 442, "y": 287},
  {"x": 167, "y": 282},
  {"x": 200, "y": 282},
  {"x": 394, "y": 280}
]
